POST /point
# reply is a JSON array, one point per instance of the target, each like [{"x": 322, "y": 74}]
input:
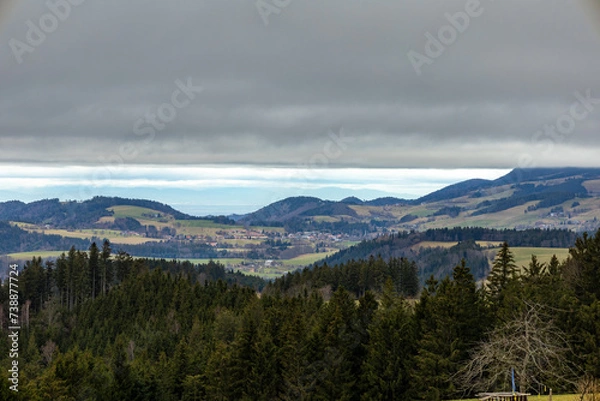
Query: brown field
[
  {"x": 434, "y": 244},
  {"x": 592, "y": 186},
  {"x": 326, "y": 219},
  {"x": 307, "y": 259},
  {"x": 114, "y": 236}
]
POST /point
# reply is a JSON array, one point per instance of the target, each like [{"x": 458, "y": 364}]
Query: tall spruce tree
[
  {"x": 452, "y": 318},
  {"x": 389, "y": 360},
  {"x": 584, "y": 267},
  {"x": 94, "y": 270},
  {"x": 107, "y": 274},
  {"x": 33, "y": 280},
  {"x": 504, "y": 271},
  {"x": 331, "y": 349}
]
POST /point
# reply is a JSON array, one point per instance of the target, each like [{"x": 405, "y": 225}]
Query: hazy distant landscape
[{"x": 299, "y": 231}]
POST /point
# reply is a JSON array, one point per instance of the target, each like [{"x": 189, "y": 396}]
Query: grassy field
[
  {"x": 227, "y": 262},
  {"x": 30, "y": 255},
  {"x": 327, "y": 219},
  {"x": 242, "y": 242},
  {"x": 145, "y": 216},
  {"x": 592, "y": 185},
  {"x": 205, "y": 227},
  {"x": 267, "y": 273},
  {"x": 523, "y": 255},
  {"x": 203, "y": 224},
  {"x": 307, "y": 259},
  {"x": 489, "y": 244},
  {"x": 434, "y": 244},
  {"x": 114, "y": 236},
  {"x": 137, "y": 212}
]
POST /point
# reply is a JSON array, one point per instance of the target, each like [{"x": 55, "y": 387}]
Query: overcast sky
[{"x": 297, "y": 84}]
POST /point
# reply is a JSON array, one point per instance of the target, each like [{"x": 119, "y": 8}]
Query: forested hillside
[
  {"x": 440, "y": 261},
  {"x": 108, "y": 328},
  {"x": 15, "y": 239},
  {"x": 358, "y": 277},
  {"x": 72, "y": 214}
]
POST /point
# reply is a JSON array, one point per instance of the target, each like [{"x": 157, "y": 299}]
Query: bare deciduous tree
[
  {"x": 530, "y": 344},
  {"x": 588, "y": 388}
]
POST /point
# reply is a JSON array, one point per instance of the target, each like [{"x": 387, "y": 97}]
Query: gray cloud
[
  {"x": 5, "y": 9},
  {"x": 272, "y": 93}
]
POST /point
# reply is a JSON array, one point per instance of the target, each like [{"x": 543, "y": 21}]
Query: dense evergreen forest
[
  {"x": 74, "y": 214},
  {"x": 15, "y": 239},
  {"x": 102, "y": 326},
  {"x": 357, "y": 277},
  {"x": 440, "y": 261}
]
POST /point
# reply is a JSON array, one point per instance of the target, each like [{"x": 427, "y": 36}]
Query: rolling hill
[
  {"x": 300, "y": 230},
  {"x": 525, "y": 198},
  {"x": 73, "y": 214}
]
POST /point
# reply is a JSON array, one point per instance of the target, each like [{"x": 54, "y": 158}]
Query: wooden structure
[{"x": 503, "y": 396}]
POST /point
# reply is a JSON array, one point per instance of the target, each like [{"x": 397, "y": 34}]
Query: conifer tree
[
  {"x": 70, "y": 277},
  {"x": 106, "y": 267},
  {"x": 33, "y": 278},
  {"x": 331, "y": 348},
  {"x": 584, "y": 267},
  {"x": 50, "y": 280},
  {"x": 122, "y": 386},
  {"x": 81, "y": 278},
  {"x": 389, "y": 360},
  {"x": 535, "y": 269},
  {"x": 61, "y": 279},
  {"x": 503, "y": 272},
  {"x": 123, "y": 265},
  {"x": 296, "y": 384},
  {"x": 451, "y": 318},
  {"x": 94, "y": 270}
]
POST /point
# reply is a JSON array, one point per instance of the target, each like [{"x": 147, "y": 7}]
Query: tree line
[{"x": 153, "y": 330}]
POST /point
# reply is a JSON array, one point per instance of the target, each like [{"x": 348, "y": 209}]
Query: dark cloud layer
[{"x": 272, "y": 93}]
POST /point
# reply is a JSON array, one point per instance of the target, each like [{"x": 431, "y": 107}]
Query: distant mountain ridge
[
  {"x": 524, "y": 198},
  {"x": 541, "y": 191}
]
